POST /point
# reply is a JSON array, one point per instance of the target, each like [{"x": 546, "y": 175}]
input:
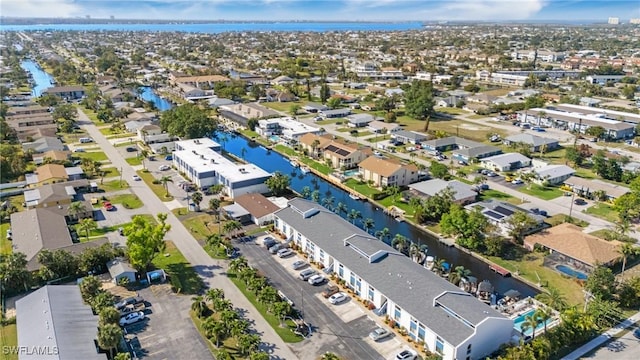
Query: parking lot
[
  {"x": 167, "y": 332},
  {"x": 341, "y": 328}
]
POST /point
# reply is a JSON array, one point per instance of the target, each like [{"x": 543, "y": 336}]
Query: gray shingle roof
[
  {"x": 37, "y": 229},
  {"x": 404, "y": 282},
  {"x": 434, "y": 186},
  {"x": 530, "y": 139},
  {"x": 507, "y": 159},
  {"x": 54, "y": 317}
]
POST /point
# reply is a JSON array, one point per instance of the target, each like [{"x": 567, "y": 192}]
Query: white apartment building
[
  {"x": 285, "y": 127},
  {"x": 203, "y": 164},
  {"x": 449, "y": 321},
  {"x": 613, "y": 21}
]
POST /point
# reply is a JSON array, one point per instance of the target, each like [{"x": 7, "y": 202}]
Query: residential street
[{"x": 212, "y": 271}]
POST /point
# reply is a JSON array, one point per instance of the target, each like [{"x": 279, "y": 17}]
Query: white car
[
  {"x": 379, "y": 334},
  {"x": 316, "y": 279},
  {"x": 136, "y": 178},
  {"x": 338, "y": 298},
  {"x": 164, "y": 167},
  {"x": 407, "y": 355},
  {"x": 517, "y": 182},
  {"x": 285, "y": 252},
  {"x": 132, "y": 318},
  {"x": 298, "y": 264}
]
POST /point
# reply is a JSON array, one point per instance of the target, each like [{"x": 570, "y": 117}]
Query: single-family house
[
  {"x": 259, "y": 208},
  {"x": 52, "y": 155},
  {"x": 462, "y": 193},
  {"x": 314, "y": 107},
  {"x": 498, "y": 213},
  {"x": 381, "y": 127},
  {"x": 408, "y": 137},
  {"x": 506, "y": 162},
  {"x": 447, "y": 320},
  {"x": 476, "y": 153},
  {"x": 387, "y": 172},
  {"x": 335, "y": 113},
  {"x": 73, "y": 92},
  {"x": 359, "y": 120},
  {"x": 58, "y": 197},
  {"x": 216, "y": 102},
  {"x": 282, "y": 80},
  {"x": 344, "y": 155},
  {"x": 568, "y": 244},
  {"x": 593, "y": 188},
  {"x": 53, "y": 322},
  {"x": 553, "y": 174},
  {"x": 121, "y": 269},
  {"x": 148, "y": 130},
  {"x": 314, "y": 144},
  {"x": 44, "y": 144},
  {"x": 537, "y": 143},
  {"x": 52, "y": 173}
]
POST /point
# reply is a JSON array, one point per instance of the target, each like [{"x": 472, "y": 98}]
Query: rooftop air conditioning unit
[{"x": 213, "y": 161}]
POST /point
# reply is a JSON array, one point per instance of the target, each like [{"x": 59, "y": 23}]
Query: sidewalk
[{"x": 603, "y": 338}]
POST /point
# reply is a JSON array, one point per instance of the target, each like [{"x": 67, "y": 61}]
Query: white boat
[
  {"x": 354, "y": 196},
  {"x": 294, "y": 163},
  {"x": 429, "y": 262},
  {"x": 305, "y": 170}
]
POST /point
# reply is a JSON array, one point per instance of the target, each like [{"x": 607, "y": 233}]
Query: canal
[
  {"x": 148, "y": 94},
  {"x": 272, "y": 161},
  {"x": 41, "y": 79}
]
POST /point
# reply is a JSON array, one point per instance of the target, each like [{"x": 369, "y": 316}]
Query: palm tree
[
  {"x": 314, "y": 147},
  {"x": 328, "y": 202},
  {"x": 354, "y": 215},
  {"x": 243, "y": 152},
  {"x": 248, "y": 343},
  {"x": 143, "y": 155},
  {"x": 109, "y": 336},
  {"x": 75, "y": 208},
  {"x": 238, "y": 327},
  {"x": 87, "y": 225},
  {"x": 164, "y": 180},
  {"x": 368, "y": 224},
  {"x": 400, "y": 243},
  {"x": 544, "y": 314},
  {"x": 306, "y": 192},
  {"x": 122, "y": 356},
  {"x": 238, "y": 264},
  {"x": 530, "y": 322},
  {"x": 196, "y": 198},
  {"x": 414, "y": 252},
  {"x": 315, "y": 196},
  {"x": 341, "y": 208},
  {"x": 438, "y": 266},
  {"x": 214, "y": 205},
  {"x": 214, "y": 329},
  {"x": 383, "y": 234},
  {"x": 198, "y": 306},
  {"x": 627, "y": 250},
  {"x": 330, "y": 356},
  {"x": 214, "y": 241},
  {"x": 213, "y": 294},
  {"x": 553, "y": 298},
  {"x": 392, "y": 191},
  {"x": 459, "y": 273},
  {"x": 231, "y": 227}
]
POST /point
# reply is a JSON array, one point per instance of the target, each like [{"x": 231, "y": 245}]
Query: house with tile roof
[
  {"x": 53, "y": 173},
  {"x": 387, "y": 172},
  {"x": 259, "y": 208}
]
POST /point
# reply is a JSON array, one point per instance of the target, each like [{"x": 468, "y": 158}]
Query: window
[
  {"x": 299, "y": 237},
  {"x": 468, "y": 349},
  {"x": 413, "y": 326},
  {"x": 421, "y": 332},
  {"x": 352, "y": 280},
  {"x": 439, "y": 345},
  {"x": 358, "y": 286},
  {"x": 371, "y": 293},
  {"x": 397, "y": 313},
  {"x": 341, "y": 271},
  {"x": 277, "y": 223},
  {"x": 322, "y": 256}
]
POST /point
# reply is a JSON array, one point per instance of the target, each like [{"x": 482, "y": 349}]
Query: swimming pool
[
  {"x": 352, "y": 172},
  {"x": 571, "y": 272},
  {"x": 274, "y": 138},
  {"x": 517, "y": 323}
]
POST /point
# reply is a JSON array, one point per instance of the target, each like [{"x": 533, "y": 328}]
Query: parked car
[
  {"x": 275, "y": 248},
  {"x": 78, "y": 150},
  {"x": 9, "y": 234},
  {"x": 129, "y": 301},
  {"x": 108, "y": 206},
  {"x": 121, "y": 231},
  {"x": 298, "y": 264},
  {"x": 168, "y": 157},
  {"x": 330, "y": 290},
  {"x": 316, "y": 280},
  {"x": 579, "y": 201},
  {"x": 131, "y": 308},
  {"x": 307, "y": 273},
  {"x": 132, "y": 318},
  {"x": 462, "y": 162},
  {"x": 164, "y": 167},
  {"x": 269, "y": 242},
  {"x": 338, "y": 298},
  {"x": 491, "y": 174},
  {"x": 407, "y": 355},
  {"x": 636, "y": 333},
  {"x": 282, "y": 253},
  {"x": 379, "y": 334},
  {"x": 517, "y": 182},
  {"x": 136, "y": 178},
  {"x": 131, "y": 149}
]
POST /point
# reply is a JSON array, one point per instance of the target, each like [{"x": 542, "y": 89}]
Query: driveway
[
  {"x": 168, "y": 332},
  {"x": 342, "y": 329},
  {"x": 211, "y": 271}
]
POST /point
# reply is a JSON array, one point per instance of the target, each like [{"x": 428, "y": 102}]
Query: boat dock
[{"x": 500, "y": 270}]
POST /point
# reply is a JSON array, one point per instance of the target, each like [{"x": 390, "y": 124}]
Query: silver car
[{"x": 379, "y": 334}]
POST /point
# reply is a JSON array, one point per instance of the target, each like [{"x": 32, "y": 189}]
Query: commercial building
[
  {"x": 54, "y": 323},
  {"x": 203, "y": 164},
  {"x": 449, "y": 321}
]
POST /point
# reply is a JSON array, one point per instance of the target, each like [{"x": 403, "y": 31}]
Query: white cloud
[
  {"x": 40, "y": 8},
  {"x": 482, "y": 9}
]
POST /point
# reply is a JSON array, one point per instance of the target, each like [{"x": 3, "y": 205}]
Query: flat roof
[
  {"x": 290, "y": 126},
  {"x": 594, "y": 110},
  {"x": 576, "y": 118}
]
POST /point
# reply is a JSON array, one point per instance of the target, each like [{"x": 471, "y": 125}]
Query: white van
[{"x": 85, "y": 140}]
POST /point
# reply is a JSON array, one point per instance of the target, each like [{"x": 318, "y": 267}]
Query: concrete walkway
[
  {"x": 602, "y": 338},
  {"x": 212, "y": 271}
]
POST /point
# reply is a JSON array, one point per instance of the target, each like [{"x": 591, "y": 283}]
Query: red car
[{"x": 108, "y": 206}]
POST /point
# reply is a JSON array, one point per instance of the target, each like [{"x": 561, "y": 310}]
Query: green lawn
[
  {"x": 249, "y": 133},
  {"x": 173, "y": 262},
  {"x": 180, "y": 211},
  {"x": 378, "y": 138},
  {"x": 285, "y": 150},
  {"x": 281, "y": 106},
  {"x": 128, "y": 201},
  {"x": 476, "y": 117},
  {"x": 157, "y": 189},
  {"x": 542, "y": 192},
  {"x": 602, "y": 233},
  {"x": 124, "y": 143},
  {"x": 134, "y": 161},
  {"x": 451, "y": 110},
  {"x": 113, "y": 185},
  {"x": 201, "y": 226},
  {"x": 603, "y": 211},
  {"x": 454, "y": 127},
  {"x": 530, "y": 267},
  {"x": 388, "y": 201},
  {"x": 329, "y": 121},
  {"x": 286, "y": 334},
  {"x": 93, "y": 155},
  {"x": 556, "y": 156},
  {"x": 317, "y": 165},
  {"x": 16, "y": 200},
  {"x": 362, "y": 188},
  {"x": 90, "y": 114},
  {"x": 563, "y": 218},
  {"x": 111, "y": 172},
  {"x": 96, "y": 233},
  {"x": 9, "y": 336},
  {"x": 5, "y": 244},
  {"x": 497, "y": 195}
]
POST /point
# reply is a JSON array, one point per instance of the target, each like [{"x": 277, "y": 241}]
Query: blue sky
[{"x": 387, "y": 10}]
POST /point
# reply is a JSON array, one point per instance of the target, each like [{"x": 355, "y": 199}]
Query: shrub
[
  {"x": 156, "y": 182},
  {"x": 371, "y": 306}
]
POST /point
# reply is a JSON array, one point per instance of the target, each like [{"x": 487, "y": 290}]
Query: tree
[
  {"x": 627, "y": 250},
  {"x": 75, "y": 208},
  {"x": 574, "y": 155},
  {"x": 196, "y": 198},
  {"x": 392, "y": 191},
  {"x": 535, "y": 101},
  {"x": 278, "y": 183},
  {"x": 354, "y": 215},
  {"x": 383, "y": 234},
  {"x": 214, "y": 329},
  {"x": 145, "y": 240},
  {"x": 164, "y": 180},
  {"x": 230, "y": 227},
  {"x": 334, "y": 102},
  {"x": 401, "y": 243},
  {"x": 294, "y": 109},
  {"x": 144, "y": 153},
  {"x": 187, "y": 121},
  {"x": 596, "y": 131},
  {"x": 553, "y": 298},
  {"x": 314, "y": 147},
  {"x": 341, "y": 208},
  {"x": 601, "y": 283},
  {"x": 530, "y": 322},
  {"x": 90, "y": 287},
  {"x": 419, "y": 101},
  {"x": 122, "y": 356},
  {"x": 467, "y": 227},
  {"x": 259, "y": 355},
  {"x": 57, "y": 264},
  {"x": 65, "y": 112},
  {"x": 368, "y": 224},
  {"x": 544, "y": 314},
  {"x": 306, "y": 192},
  {"x": 281, "y": 309},
  {"x": 325, "y": 92},
  {"x": 248, "y": 343},
  {"x": 518, "y": 224},
  {"x": 109, "y": 336},
  {"x": 459, "y": 273},
  {"x": 109, "y": 315},
  {"x": 87, "y": 225},
  {"x": 198, "y": 306},
  {"x": 214, "y": 206},
  {"x": 438, "y": 170}
]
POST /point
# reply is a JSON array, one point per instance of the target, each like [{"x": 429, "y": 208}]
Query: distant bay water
[{"x": 215, "y": 28}]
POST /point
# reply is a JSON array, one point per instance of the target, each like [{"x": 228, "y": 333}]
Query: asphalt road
[
  {"x": 330, "y": 332},
  {"x": 210, "y": 270}
]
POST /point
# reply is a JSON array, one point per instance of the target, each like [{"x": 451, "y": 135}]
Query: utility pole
[
  {"x": 120, "y": 177},
  {"x": 302, "y": 302}
]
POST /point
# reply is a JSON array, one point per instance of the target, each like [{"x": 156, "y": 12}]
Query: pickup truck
[
  {"x": 131, "y": 308},
  {"x": 330, "y": 290}
]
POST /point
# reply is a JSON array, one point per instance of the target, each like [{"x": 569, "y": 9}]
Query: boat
[
  {"x": 469, "y": 284},
  {"x": 354, "y": 196},
  {"x": 428, "y": 264},
  {"x": 485, "y": 291},
  {"x": 305, "y": 170},
  {"x": 500, "y": 270},
  {"x": 399, "y": 218},
  {"x": 294, "y": 163}
]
